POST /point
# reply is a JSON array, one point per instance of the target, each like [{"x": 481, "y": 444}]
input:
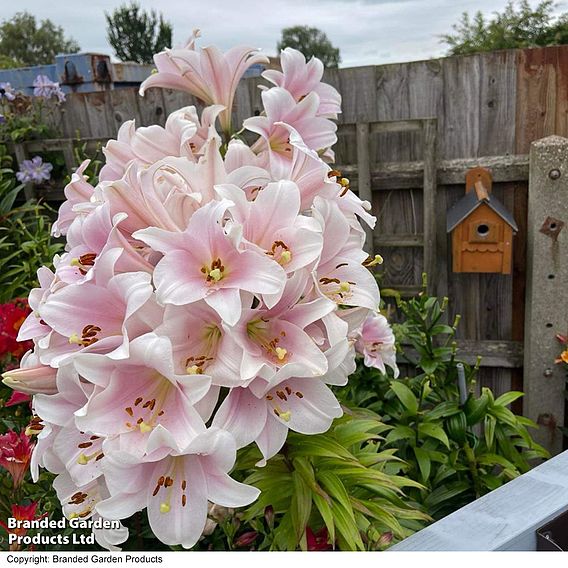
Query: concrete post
[{"x": 547, "y": 287}]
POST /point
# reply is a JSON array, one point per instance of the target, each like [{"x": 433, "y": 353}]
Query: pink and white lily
[
  {"x": 300, "y": 79},
  {"x": 133, "y": 396},
  {"x": 207, "y": 73},
  {"x": 317, "y": 133},
  {"x": 176, "y": 489},
  {"x": 204, "y": 263},
  {"x": 377, "y": 343}
]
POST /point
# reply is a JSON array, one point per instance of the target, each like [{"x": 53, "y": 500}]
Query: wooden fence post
[
  {"x": 431, "y": 212},
  {"x": 364, "y": 176},
  {"x": 547, "y": 287}
]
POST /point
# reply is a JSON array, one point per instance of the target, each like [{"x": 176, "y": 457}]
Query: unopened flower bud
[{"x": 246, "y": 539}]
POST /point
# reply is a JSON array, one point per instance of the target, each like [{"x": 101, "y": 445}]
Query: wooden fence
[{"x": 407, "y": 136}]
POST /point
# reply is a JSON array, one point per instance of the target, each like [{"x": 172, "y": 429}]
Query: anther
[{"x": 281, "y": 353}]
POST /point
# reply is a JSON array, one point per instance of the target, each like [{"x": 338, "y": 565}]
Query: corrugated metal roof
[{"x": 469, "y": 203}]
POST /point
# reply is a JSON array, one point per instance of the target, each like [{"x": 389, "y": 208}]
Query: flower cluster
[
  {"x": 210, "y": 293},
  {"x": 34, "y": 171},
  {"x": 46, "y": 88}
]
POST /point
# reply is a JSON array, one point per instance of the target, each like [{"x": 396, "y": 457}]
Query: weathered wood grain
[
  {"x": 151, "y": 107},
  {"x": 364, "y": 179},
  {"x": 100, "y": 110},
  {"x": 497, "y": 104},
  {"x": 124, "y": 107},
  {"x": 75, "y": 119},
  {"x": 460, "y": 121},
  {"x": 431, "y": 212},
  {"x": 542, "y": 101}
]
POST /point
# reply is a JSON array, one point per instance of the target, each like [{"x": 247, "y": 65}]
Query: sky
[{"x": 367, "y": 32}]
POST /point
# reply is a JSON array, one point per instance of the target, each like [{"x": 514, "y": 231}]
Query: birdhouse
[{"x": 482, "y": 228}]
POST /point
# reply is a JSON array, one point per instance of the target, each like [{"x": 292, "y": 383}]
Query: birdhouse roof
[{"x": 469, "y": 203}]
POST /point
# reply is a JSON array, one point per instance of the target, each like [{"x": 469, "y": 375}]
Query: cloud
[{"x": 366, "y": 31}]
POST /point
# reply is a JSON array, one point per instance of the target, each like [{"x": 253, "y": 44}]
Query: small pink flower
[
  {"x": 300, "y": 79},
  {"x": 282, "y": 110},
  {"x": 15, "y": 455},
  {"x": 377, "y": 343}
]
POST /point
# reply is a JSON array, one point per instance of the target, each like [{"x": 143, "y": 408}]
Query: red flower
[
  {"x": 319, "y": 540},
  {"x": 12, "y": 316},
  {"x": 15, "y": 454},
  {"x": 22, "y": 513},
  {"x": 18, "y": 398}
]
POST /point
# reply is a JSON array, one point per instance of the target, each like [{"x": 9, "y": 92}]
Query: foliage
[
  {"x": 23, "y": 42},
  {"x": 518, "y": 26},
  {"x": 312, "y": 42},
  {"x": 135, "y": 35},
  {"x": 457, "y": 451},
  {"x": 337, "y": 481},
  {"x": 28, "y": 118},
  {"x": 25, "y": 241}
]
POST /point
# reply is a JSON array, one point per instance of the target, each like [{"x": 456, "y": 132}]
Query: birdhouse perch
[{"x": 482, "y": 228}]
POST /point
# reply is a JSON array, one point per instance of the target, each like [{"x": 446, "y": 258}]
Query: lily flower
[
  {"x": 15, "y": 455},
  {"x": 203, "y": 263},
  {"x": 300, "y": 79},
  {"x": 377, "y": 343},
  {"x": 317, "y": 133},
  {"x": 207, "y": 73},
  {"x": 176, "y": 489}
]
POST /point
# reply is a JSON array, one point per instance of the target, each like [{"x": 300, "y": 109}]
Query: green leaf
[
  {"x": 319, "y": 445},
  {"x": 301, "y": 505},
  {"x": 434, "y": 431},
  {"x": 439, "y": 329},
  {"x": 423, "y": 463},
  {"x": 406, "y": 396},
  {"x": 489, "y": 430},
  {"x": 400, "y": 433},
  {"x": 347, "y": 527},
  {"x": 326, "y": 513},
  {"x": 445, "y": 493},
  {"x": 494, "y": 459},
  {"x": 442, "y": 410},
  {"x": 335, "y": 488},
  {"x": 508, "y": 398},
  {"x": 504, "y": 415},
  {"x": 428, "y": 365}
]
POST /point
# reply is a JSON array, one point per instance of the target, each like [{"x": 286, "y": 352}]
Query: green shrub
[{"x": 458, "y": 452}]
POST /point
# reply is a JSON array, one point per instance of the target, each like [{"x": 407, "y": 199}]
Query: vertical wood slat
[
  {"x": 429, "y": 195},
  {"x": 461, "y": 107},
  {"x": 364, "y": 176},
  {"x": 542, "y": 104},
  {"x": 69, "y": 157},
  {"x": 547, "y": 282},
  {"x": 21, "y": 155},
  {"x": 497, "y": 103}
]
